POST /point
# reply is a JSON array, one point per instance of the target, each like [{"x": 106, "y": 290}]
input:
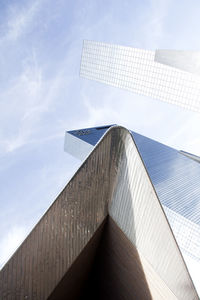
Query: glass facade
[
  {"x": 176, "y": 180},
  {"x": 106, "y": 230},
  {"x": 90, "y": 135},
  {"x": 137, "y": 71}
]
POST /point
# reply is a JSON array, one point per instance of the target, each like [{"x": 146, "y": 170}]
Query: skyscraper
[
  {"x": 153, "y": 74},
  {"x": 174, "y": 175},
  {"x": 106, "y": 236}
]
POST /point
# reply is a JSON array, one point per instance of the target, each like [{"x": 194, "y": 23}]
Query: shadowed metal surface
[
  {"x": 136, "y": 209},
  {"x": 175, "y": 176},
  {"x": 117, "y": 271},
  {"x": 113, "y": 175},
  {"x": 46, "y": 255}
]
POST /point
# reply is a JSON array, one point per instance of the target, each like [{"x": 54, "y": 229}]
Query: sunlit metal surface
[
  {"x": 112, "y": 181},
  {"x": 137, "y": 210},
  {"x": 175, "y": 177},
  {"x": 188, "y": 61},
  {"x": 47, "y": 254},
  {"x": 136, "y": 70}
]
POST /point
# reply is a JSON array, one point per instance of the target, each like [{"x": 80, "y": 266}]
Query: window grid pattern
[
  {"x": 176, "y": 180},
  {"x": 135, "y": 70},
  {"x": 186, "y": 232},
  {"x": 175, "y": 177}
]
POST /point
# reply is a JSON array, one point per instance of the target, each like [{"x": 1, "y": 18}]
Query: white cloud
[
  {"x": 186, "y": 134},
  {"x": 42, "y": 101},
  {"x": 153, "y": 27},
  {"x": 19, "y": 102},
  {"x": 26, "y": 102},
  {"x": 10, "y": 242},
  {"x": 19, "y": 20}
]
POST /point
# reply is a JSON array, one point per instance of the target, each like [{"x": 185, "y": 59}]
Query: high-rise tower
[
  {"x": 155, "y": 74},
  {"x": 107, "y": 236}
]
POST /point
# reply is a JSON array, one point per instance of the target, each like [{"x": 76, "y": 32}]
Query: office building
[
  {"x": 174, "y": 175},
  {"x": 107, "y": 236},
  {"x": 169, "y": 76}
]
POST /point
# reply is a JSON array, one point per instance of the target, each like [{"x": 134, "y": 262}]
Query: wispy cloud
[
  {"x": 29, "y": 103},
  {"x": 18, "y": 103},
  {"x": 186, "y": 136},
  {"x": 20, "y": 19},
  {"x": 153, "y": 27},
  {"x": 43, "y": 96},
  {"x": 10, "y": 242}
]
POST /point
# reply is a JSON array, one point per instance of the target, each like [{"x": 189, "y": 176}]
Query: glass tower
[
  {"x": 106, "y": 235},
  {"x": 140, "y": 72},
  {"x": 175, "y": 178}
]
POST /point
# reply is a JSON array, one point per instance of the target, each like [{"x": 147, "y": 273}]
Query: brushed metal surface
[
  {"x": 117, "y": 271},
  {"x": 136, "y": 209},
  {"x": 72, "y": 285},
  {"x": 112, "y": 176},
  {"x": 46, "y": 255}
]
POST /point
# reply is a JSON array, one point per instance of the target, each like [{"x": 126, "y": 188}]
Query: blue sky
[{"x": 42, "y": 95}]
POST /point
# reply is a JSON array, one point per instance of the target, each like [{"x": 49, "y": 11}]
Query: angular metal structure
[
  {"x": 106, "y": 236},
  {"x": 137, "y": 70},
  {"x": 175, "y": 176}
]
